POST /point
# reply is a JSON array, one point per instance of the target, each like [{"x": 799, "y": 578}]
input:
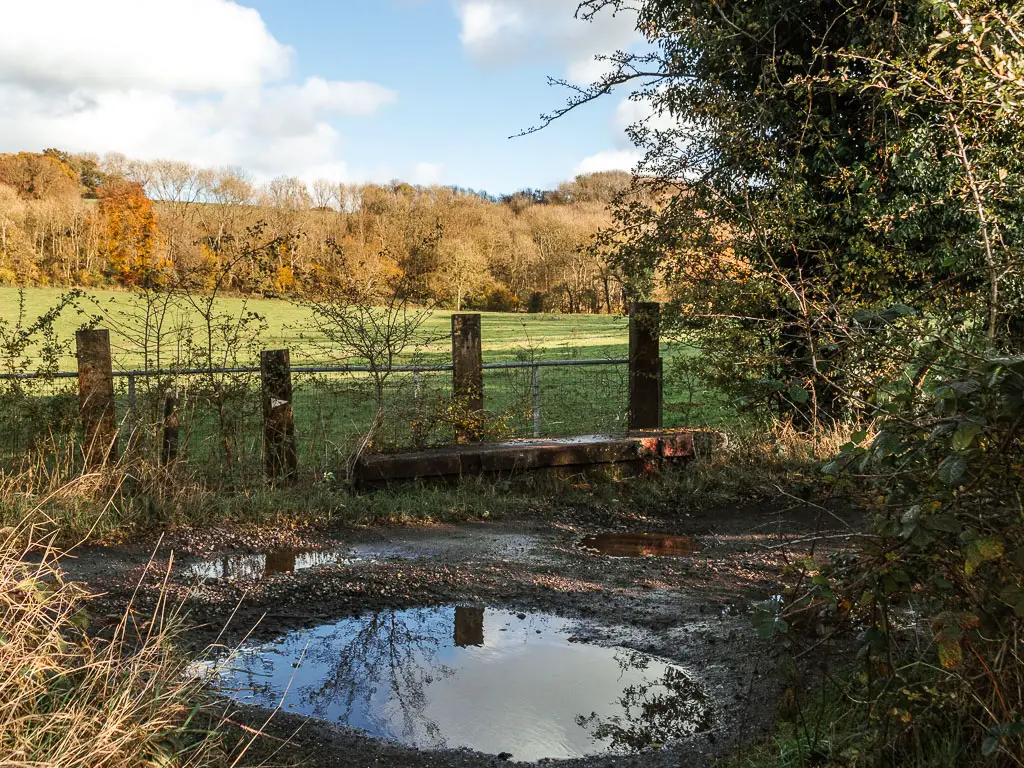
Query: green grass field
[{"x": 506, "y": 336}]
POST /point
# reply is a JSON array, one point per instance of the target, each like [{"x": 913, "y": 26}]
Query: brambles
[{"x": 836, "y": 215}]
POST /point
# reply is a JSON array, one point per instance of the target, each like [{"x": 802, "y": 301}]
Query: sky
[{"x": 426, "y": 91}]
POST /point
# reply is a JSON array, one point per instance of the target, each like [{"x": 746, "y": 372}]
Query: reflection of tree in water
[
  {"x": 654, "y": 712},
  {"x": 390, "y": 651},
  {"x": 377, "y": 667},
  {"x": 252, "y": 567}
]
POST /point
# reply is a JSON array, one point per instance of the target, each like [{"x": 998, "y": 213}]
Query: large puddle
[
  {"x": 640, "y": 544},
  {"x": 490, "y": 680}
]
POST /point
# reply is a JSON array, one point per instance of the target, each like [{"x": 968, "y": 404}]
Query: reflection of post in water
[
  {"x": 469, "y": 626},
  {"x": 280, "y": 561}
]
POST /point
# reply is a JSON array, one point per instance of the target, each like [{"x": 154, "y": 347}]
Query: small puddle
[
  {"x": 493, "y": 681},
  {"x": 253, "y": 567},
  {"x": 389, "y": 551},
  {"x": 640, "y": 544}
]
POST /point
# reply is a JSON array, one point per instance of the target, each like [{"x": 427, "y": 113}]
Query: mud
[{"x": 693, "y": 611}]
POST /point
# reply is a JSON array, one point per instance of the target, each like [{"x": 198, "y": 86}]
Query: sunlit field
[{"x": 506, "y": 336}]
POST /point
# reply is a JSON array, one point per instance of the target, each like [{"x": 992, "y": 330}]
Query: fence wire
[{"x": 338, "y": 412}]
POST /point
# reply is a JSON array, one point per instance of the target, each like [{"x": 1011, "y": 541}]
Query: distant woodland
[{"x": 82, "y": 220}]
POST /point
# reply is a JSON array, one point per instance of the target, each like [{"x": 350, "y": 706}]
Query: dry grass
[
  {"x": 70, "y": 699},
  {"x": 50, "y": 491},
  {"x": 775, "y": 462}
]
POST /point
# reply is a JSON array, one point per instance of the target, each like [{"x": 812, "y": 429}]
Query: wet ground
[{"x": 682, "y": 605}]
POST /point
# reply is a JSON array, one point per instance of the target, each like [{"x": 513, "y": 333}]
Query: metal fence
[{"x": 220, "y": 410}]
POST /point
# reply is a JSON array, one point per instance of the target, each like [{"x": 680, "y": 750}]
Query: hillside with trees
[{"x": 80, "y": 220}]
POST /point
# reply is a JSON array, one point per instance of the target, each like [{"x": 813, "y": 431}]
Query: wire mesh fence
[
  {"x": 338, "y": 411},
  {"x": 36, "y": 411}
]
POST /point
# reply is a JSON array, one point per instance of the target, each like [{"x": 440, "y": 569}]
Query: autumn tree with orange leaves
[{"x": 130, "y": 235}]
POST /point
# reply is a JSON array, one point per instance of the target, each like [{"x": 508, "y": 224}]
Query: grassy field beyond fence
[
  {"x": 221, "y": 426},
  {"x": 506, "y": 336}
]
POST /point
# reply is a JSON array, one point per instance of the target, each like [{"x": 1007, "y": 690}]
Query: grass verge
[
  {"x": 135, "y": 499},
  {"x": 70, "y": 699}
]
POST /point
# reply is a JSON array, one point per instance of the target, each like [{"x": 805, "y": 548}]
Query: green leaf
[
  {"x": 950, "y": 655},
  {"x": 952, "y": 469},
  {"x": 965, "y": 434},
  {"x": 998, "y": 735},
  {"x": 886, "y": 444},
  {"x": 980, "y": 551},
  {"x": 1014, "y": 597},
  {"x": 941, "y": 582},
  {"x": 943, "y": 523},
  {"x": 767, "y": 620},
  {"x": 798, "y": 394}
]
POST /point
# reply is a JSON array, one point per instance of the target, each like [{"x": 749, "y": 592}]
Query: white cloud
[
  {"x": 482, "y": 22},
  {"x": 357, "y": 98},
  {"x": 427, "y": 173},
  {"x": 196, "y": 80},
  {"x": 631, "y": 111},
  {"x": 610, "y": 160},
  {"x": 193, "y": 46},
  {"x": 506, "y": 32},
  {"x": 624, "y": 156}
]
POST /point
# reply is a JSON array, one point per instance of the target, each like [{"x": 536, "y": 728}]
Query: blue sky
[{"x": 428, "y": 91}]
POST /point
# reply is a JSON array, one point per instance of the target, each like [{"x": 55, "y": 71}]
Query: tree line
[{"x": 88, "y": 221}]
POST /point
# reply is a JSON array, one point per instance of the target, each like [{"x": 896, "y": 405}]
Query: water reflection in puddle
[
  {"x": 490, "y": 680},
  {"x": 253, "y": 567},
  {"x": 640, "y": 544}
]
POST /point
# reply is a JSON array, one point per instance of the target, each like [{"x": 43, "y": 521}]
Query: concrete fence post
[
  {"x": 169, "y": 446},
  {"x": 535, "y": 399},
  {"x": 96, "y": 396},
  {"x": 419, "y": 428},
  {"x": 467, "y": 372},
  {"x": 132, "y": 417},
  {"x": 279, "y": 454},
  {"x": 644, "y": 366}
]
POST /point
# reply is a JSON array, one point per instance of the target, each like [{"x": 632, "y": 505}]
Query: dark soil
[{"x": 694, "y": 610}]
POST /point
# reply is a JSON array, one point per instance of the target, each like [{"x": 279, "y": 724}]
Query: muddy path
[{"x": 693, "y": 610}]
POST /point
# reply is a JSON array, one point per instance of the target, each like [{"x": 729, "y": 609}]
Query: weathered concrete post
[
  {"x": 417, "y": 396},
  {"x": 644, "y": 366},
  {"x": 96, "y": 396},
  {"x": 132, "y": 420},
  {"x": 169, "y": 448},
  {"x": 467, "y": 372},
  {"x": 279, "y": 455},
  {"x": 535, "y": 399}
]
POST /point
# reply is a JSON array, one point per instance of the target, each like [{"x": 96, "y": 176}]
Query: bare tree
[
  {"x": 286, "y": 192},
  {"x": 324, "y": 194},
  {"x": 371, "y": 322}
]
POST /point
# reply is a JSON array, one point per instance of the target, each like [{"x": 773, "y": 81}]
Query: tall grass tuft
[{"x": 68, "y": 698}]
